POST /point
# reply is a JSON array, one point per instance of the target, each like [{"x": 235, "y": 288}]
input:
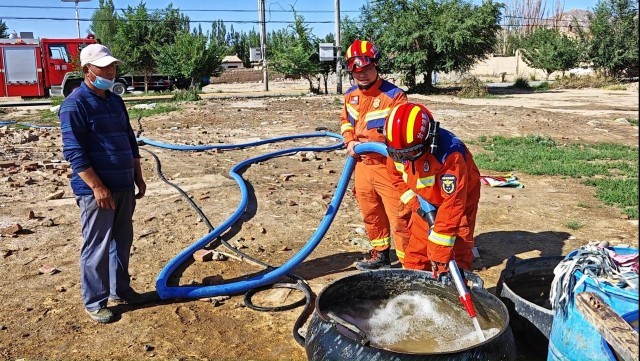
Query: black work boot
[{"x": 376, "y": 260}]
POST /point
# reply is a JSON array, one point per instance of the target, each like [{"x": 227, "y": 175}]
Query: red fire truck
[{"x": 44, "y": 67}]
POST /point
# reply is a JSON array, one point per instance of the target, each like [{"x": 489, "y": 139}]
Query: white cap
[{"x": 98, "y": 55}]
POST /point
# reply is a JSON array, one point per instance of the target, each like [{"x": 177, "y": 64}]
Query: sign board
[
  {"x": 326, "y": 52},
  {"x": 255, "y": 54}
]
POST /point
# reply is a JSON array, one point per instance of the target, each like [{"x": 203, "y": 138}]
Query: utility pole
[
  {"x": 77, "y": 15},
  {"x": 338, "y": 50},
  {"x": 263, "y": 44}
]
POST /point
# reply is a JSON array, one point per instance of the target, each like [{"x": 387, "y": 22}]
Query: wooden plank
[{"x": 613, "y": 328}]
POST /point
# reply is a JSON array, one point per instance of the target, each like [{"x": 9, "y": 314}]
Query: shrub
[
  {"x": 473, "y": 87},
  {"x": 521, "y": 83},
  {"x": 188, "y": 95},
  {"x": 583, "y": 81}
]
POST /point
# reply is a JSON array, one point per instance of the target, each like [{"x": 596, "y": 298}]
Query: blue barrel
[{"x": 573, "y": 338}]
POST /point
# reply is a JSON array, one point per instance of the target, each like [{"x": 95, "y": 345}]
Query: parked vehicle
[
  {"x": 40, "y": 67},
  {"x": 51, "y": 67},
  {"x": 136, "y": 82}
]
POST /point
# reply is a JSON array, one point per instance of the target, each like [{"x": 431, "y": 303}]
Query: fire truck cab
[{"x": 37, "y": 68}]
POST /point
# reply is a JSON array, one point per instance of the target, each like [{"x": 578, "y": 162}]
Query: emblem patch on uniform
[
  {"x": 376, "y": 103},
  {"x": 354, "y": 100},
  {"x": 449, "y": 183},
  {"x": 426, "y": 166}
]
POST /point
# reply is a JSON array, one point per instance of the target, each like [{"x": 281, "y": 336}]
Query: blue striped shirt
[{"x": 96, "y": 133}]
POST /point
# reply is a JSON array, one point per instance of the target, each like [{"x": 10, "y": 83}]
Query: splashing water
[{"x": 416, "y": 322}]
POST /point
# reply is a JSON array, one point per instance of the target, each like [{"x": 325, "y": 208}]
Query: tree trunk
[
  {"x": 428, "y": 82},
  {"x": 548, "y": 74},
  {"x": 193, "y": 83},
  {"x": 146, "y": 81},
  {"x": 325, "y": 77}
]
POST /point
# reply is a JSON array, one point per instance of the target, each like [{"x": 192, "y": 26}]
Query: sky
[{"x": 35, "y": 15}]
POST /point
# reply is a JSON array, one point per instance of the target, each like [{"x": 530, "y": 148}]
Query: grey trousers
[{"x": 104, "y": 259}]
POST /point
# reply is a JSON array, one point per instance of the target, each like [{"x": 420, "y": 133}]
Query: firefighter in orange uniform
[
  {"x": 366, "y": 107},
  {"x": 434, "y": 164}
]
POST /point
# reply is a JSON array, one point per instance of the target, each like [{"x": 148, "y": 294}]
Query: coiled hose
[{"x": 270, "y": 278}]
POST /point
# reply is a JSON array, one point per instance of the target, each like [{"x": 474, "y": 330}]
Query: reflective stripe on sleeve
[
  {"x": 407, "y": 196},
  {"x": 442, "y": 239},
  {"x": 346, "y": 127}
]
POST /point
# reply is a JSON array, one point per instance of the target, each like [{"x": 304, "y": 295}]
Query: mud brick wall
[{"x": 243, "y": 76}]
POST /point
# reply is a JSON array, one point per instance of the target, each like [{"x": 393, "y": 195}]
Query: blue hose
[
  {"x": 262, "y": 279},
  {"x": 8, "y": 122},
  {"x": 165, "y": 291}
]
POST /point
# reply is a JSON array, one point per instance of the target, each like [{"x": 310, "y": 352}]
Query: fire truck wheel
[
  {"x": 71, "y": 86},
  {"x": 119, "y": 88}
]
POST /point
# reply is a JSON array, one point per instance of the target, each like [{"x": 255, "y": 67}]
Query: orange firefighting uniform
[
  {"x": 450, "y": 181},
  {"x": 364, "y": 112}
]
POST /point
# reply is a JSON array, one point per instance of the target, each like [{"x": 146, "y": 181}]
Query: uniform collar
[{"x": 373, "y": 88}]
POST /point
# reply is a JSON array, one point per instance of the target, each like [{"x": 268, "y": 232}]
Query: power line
[
  {"x": 159, "y": 20},
  {"x": 199, "y": 10}
]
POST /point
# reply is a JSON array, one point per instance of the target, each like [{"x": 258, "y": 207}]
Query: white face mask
[{"x": 102, "y": 83}]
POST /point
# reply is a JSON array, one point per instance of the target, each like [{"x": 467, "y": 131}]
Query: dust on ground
[{"x": 41, "y": 314}]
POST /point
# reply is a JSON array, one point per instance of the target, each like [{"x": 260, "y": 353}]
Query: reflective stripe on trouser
[
  {"x": 104, "y": 259},
  {"x": 421, "y": 250},
  {"x": 380, "y": 206}
]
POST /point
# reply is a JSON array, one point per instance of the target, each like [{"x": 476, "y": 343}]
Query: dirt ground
[{"x": 41, "y": 314}]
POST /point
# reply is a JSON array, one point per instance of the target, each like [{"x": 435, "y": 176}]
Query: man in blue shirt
[{"x": 100, "y": 144}]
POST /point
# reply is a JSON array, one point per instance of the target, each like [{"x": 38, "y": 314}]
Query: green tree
[
  {"x": 550, "y": 50},
  {"x": 135, "y": 42},
  {"x": 423, "y": 36},
  {"x": 219, "y": 35},
  {"x": 140, "y": 33},
  {"x": 191, "y": 56},
  {"x": 3, "y": 30},
  {"x": 166, "y": 23},
  {"x": 349, "y": 31},
  {"x": 239, "y": 43},
  {"x": 293, "y": 53},
  {"x": 104, "y": 22},
  {"x": 613, "y": 46}
]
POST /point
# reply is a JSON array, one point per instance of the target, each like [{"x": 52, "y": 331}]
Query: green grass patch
[
  {"x": 159, "y": 109},
  {"x": 611, "y": 168},
  {"x": 622, "y": 193},
  {"x": 188, "y": 95},
  {"x": 633, "y": 121},
  {"x": 56, "y": 101},
  {"x": 544, "y": 86},
  {"x": 574, "y": 225}
]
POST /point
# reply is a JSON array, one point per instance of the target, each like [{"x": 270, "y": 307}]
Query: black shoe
[
  {"x": 132, "y": 298},
  {"x": 376, "y": 260}
]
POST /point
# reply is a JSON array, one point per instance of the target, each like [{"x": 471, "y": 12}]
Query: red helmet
[
  {"x": 360, "y": 54},
  {"x": 407, "y": 130}
]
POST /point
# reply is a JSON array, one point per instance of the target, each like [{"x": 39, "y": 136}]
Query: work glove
[{"x": 441, "y": 272}]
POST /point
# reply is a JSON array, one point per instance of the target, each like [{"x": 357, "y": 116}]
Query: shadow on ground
[{"x": 496, "y": 247}]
